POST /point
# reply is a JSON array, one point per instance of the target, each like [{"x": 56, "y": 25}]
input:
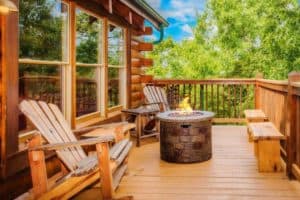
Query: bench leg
[
  {"x": 268, "y": 154},
  {"x": 250, "y": 138},
  {"x": 255, "y": 148}
]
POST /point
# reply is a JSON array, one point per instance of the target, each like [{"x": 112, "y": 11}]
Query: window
[
  {"x": 43, "y": 51},
  {"x": 89, "y": 63},
  {"x": 44, "y": 62},
  {"x": 116, "y": 66}
]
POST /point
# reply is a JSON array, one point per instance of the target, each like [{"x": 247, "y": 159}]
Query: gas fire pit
[{"x": 185, "y": 137}]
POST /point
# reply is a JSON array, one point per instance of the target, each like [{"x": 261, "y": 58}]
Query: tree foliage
[{"x": 235, "y": 39}]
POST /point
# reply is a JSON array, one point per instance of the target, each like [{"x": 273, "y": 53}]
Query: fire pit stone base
[{"x": 182, "y": 141}]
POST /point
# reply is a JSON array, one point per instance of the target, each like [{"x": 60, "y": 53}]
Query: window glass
[
  {"x": 88, "y": 59},
  {"x": 43, "y": 29},
  {"x": 87, "y": 38},
  {"x": 39, "y": 82},
  {"x": 43, "y": 39},
  {"x": 113, "y": 87},
  {"x": 115, "y": 45},
  {"x": 116, "y": 57},
  {"x": 86, "y": 92}
]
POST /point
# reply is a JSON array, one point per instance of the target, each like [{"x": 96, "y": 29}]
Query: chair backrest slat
[
  {"x": 155, "y": 94},
  {"x": 64, "y": 124},
  {"x": 66, "y": 136},
  {"x": 164, "y": 99},
  {"x": 150, "y": 99},
  {"x": 42, "y": 117},
  {"x": 53, "y": 133}
]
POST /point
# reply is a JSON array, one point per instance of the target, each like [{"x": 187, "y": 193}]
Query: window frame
[
  {"x": 68, "y": 72},
  {"x": 122, "y": 70},
  {"x": 98, "y": 66},
  {"x": 63, "y": 64}
]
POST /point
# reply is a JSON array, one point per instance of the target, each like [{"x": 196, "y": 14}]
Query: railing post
[
  {"x": 291, "y": 123},
  {"x": 257, "y": 90}
]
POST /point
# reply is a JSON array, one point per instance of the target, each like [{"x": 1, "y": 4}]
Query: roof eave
[{"x": 145, "y": 10}]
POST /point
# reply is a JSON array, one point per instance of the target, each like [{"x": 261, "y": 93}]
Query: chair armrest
[
  {"x": 90, "y": 128},
  {"x": 146, "y": 104},
  {"x": 160, "y": 105},
  {"x": 85, "y": 142}
]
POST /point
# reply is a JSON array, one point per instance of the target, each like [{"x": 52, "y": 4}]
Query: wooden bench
[
  {"x": 254, "y": 115},
  {"x": 266, "y": 139}
]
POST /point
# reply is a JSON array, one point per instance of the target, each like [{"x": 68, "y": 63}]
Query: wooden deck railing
[
  {"x": 226, "y": 97},
  {"x": 279, "y": 100}
]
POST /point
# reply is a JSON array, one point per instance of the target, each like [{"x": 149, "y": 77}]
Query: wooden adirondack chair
[
  {"x": 82, "y": 170},
  {"x": 156, "y": 98}
]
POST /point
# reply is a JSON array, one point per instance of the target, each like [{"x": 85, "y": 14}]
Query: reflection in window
[
  {"x": 43, "y": 38},
  {"x": 86, "y": 93},
  {"x": 113, "y": 87},
  {"x": 87, "y": 38},
  {"x": 39, "y": 82},
  {"x": 115, "y": 46},
  {"x": 88, "y": 59},
  {"x": 42, "y": 29},
  {"x": 116, "y": 63}
]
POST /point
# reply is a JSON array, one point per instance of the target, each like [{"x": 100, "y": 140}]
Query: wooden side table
[{"x": 140, "y": 114}]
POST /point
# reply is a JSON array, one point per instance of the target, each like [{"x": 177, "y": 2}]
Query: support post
[
  {"x": 37, "y": 167},
  {"x": 105, "y": 171},
  {"x": 128, "y": 66},
  {"x": 257, "y": 90},
  {"x": 291, "y": 123}
]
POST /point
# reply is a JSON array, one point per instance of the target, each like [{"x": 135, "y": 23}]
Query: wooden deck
[{"x": 231, "y": 173}]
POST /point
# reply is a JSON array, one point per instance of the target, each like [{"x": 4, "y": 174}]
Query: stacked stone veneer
[{"x": 185, "y": 142}]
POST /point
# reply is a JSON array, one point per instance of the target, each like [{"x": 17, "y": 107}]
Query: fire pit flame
[{"x": 185, "y": 107}]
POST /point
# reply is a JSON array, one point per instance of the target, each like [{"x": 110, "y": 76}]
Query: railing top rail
[
  {"x": 204, "y": 81},
  {"x": 295, "y": 84},
  {"x": 274, "y": 82}
]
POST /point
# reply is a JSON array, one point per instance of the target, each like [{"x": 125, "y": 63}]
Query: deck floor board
[{"x": 231, "y": 173}]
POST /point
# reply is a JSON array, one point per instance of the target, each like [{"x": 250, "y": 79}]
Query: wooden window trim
[
  {"x": 115, "y": 108},
  {"x": 104, "y": 113},
  {"x": 41, "y": 62},
  {"x": 123, "y": 89},
  {"x": 98, "y": 66}
]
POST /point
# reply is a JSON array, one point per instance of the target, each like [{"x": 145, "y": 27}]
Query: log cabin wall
[
  {"x": 9, "y": 93},
  {"x": 14, "y": 163},
  {"x": 138, "y": 64}
]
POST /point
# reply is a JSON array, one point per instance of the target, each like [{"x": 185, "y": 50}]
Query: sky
[{"x": 181, "y": 15}]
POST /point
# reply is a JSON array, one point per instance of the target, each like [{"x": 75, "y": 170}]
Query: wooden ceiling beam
[
  {"x": 147, "y": 31},
  {"x": 138, "y": 20},
  {"x": 115, "y": 11},
  {"x": 121, "y": 10}
]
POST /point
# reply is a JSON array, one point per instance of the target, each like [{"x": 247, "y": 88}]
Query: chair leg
[
  {"x": 105, "y": 171},
  {"x": 37, "y": 167}
]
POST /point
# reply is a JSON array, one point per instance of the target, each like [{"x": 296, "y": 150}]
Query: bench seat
[
  {"x": 266, "y": 139},
  {"x": 254, "y": 115}
]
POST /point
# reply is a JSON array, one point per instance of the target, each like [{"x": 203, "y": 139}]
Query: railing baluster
[
  {"x": 206, "y": 97},
  {"x": 240, "y": 104},
  {"x": 229, "y": 102},
  {"x": 223, "y": 101},
  {"x": 201, "y": 97},
  {"x": 218, "y": 102},
  {"x": 212, "y": 97},
  {"x": 234, "y": 100},
  {"x": 226, "y": 98},
  {"x": 195, "y": 96}
]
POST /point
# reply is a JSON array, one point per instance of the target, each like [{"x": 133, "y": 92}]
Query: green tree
[{"x": 236, "y": 39}]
